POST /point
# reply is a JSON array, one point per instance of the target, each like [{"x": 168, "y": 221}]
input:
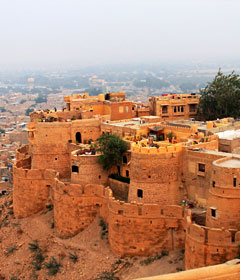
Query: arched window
[{"x": 78, "y": 137}]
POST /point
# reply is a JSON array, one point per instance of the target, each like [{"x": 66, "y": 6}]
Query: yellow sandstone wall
[
  {"x": 30, "y": 189},
  {"x": 75, "y": 207},
  {"x": 49, "y": 146},
  {"x": 224, "y": 196},
  {"x": 89, "y": 171},
  {"x": 136, "y": 229},
  {"x": 208, "y": 246},
  {"x": 197, "y": 184},
  {"x": 157, "y": 172}
]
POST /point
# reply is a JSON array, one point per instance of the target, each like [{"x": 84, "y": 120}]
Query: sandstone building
[{"x": 168, "y": 164}]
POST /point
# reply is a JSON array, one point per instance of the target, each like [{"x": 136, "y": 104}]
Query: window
[
  {"x": 99, "y": 177},
  {"x": 127, "y": 109},
  {"x": 140, "y": 193},
  {"x": 213, "y": 212},
  {"x": 192, "y": 108},
  {"x": 120, "y": 109},
  {"x": 55, "y": 158},
  {"x": 178, "y": 108},
  {"x": 201, "y": 167},
  {"x": 182, "y": 109},
  {"x": 74, "y": 168},
  {"x": 164, "y": 109},
  {"x": 234, "y": 182},
  {"x": 213, "y": 184},
  {"x": 124, "y": 159},
  {"x": 127, "y": 173},
  {"x": 175, "y": 109},
  {"x": 78, "y": 137},
  {"x": 120, "y": 212}
]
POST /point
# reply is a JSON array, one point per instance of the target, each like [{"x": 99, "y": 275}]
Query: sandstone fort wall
[
  {"x": 224, "y": 194},
  {"x": 75, "y": 207},
  {"x": 208, "y": 246},
  {"x": 157, "y": 173},
  {"x": 89, "y": 171},
  {"x": 31, "y": 189}
]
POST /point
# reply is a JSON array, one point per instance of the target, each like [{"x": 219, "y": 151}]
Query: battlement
[
  {"x": 212, "y": 236},
  {"x": 167, "y": 148},
  {"x": 31, "y": 188},
  {"x": 207, "y": 246},
  {"x": 75, "y": 207}
]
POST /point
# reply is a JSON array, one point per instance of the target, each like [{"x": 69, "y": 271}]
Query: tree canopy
[
  {"x": 220, "y": 98},
  {"x": 28, "y": 111},
  {"x": 112, "y": 148}
]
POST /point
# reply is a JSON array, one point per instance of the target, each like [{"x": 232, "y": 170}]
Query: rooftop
[
  {"x": 231, "y": 163},
  {"x": 229, "y": 134}
]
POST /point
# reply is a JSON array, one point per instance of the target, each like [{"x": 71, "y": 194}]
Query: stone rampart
[
  {"x": 119, "y": 189},
  {"x": 22, "y": 152},
  {"x": 208, "y": 246},
  {"x": 75, "y": 207},
  {"x": 87, "y": 170},
  {"x": 224, "y": 194},
  {"x": 31, "y": 189},
  {"x": 156, "y": 176},
  {"x": 50, "y": 143},
  {"x": 144, "y": 229}
]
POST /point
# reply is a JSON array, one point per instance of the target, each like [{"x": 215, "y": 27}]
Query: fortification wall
[
  {"x": 89, "y": 171},
  {"x": 134, "y": 229},
  {"x": 206, "y": 246},
  {"x": 119, "y": 189},
  {"x": 156, "y": 175},
  {"x": 22, "y": 152},
  {"x": 30, "y": 189},
  {"x": 50, "y": 143},
  {"x": 49, "y": 148},
  {"x": 224, "y": 195},
  {"x": 76, "y": 206}
]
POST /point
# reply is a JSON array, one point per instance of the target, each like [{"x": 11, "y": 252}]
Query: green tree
[
  {"x": 28, "y": 111},
  {"x": 2, "y": 109},
  {"x": 220, "y": 98},
  {"x": 112, "y": 148},
  {"x": 23, "y": 101}
]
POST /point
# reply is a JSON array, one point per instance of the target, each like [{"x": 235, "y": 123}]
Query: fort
[{"x": 171, "y": 163}]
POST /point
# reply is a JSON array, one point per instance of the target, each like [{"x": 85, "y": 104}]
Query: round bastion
[{"x": 155, "y": 174}]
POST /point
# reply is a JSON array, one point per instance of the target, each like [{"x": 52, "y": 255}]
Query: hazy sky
[{"x": 111, "y": 31}]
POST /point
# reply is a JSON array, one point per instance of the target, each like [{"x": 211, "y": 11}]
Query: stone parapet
[{"x": 209, "y": 246}]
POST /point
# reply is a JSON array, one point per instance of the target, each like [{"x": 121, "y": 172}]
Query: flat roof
[
  {"x": 231, "y": 163},
  {"x": 130, "y": 123}
]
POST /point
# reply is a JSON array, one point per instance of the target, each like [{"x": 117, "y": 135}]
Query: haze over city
[{"x": 83, "y": 33}]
